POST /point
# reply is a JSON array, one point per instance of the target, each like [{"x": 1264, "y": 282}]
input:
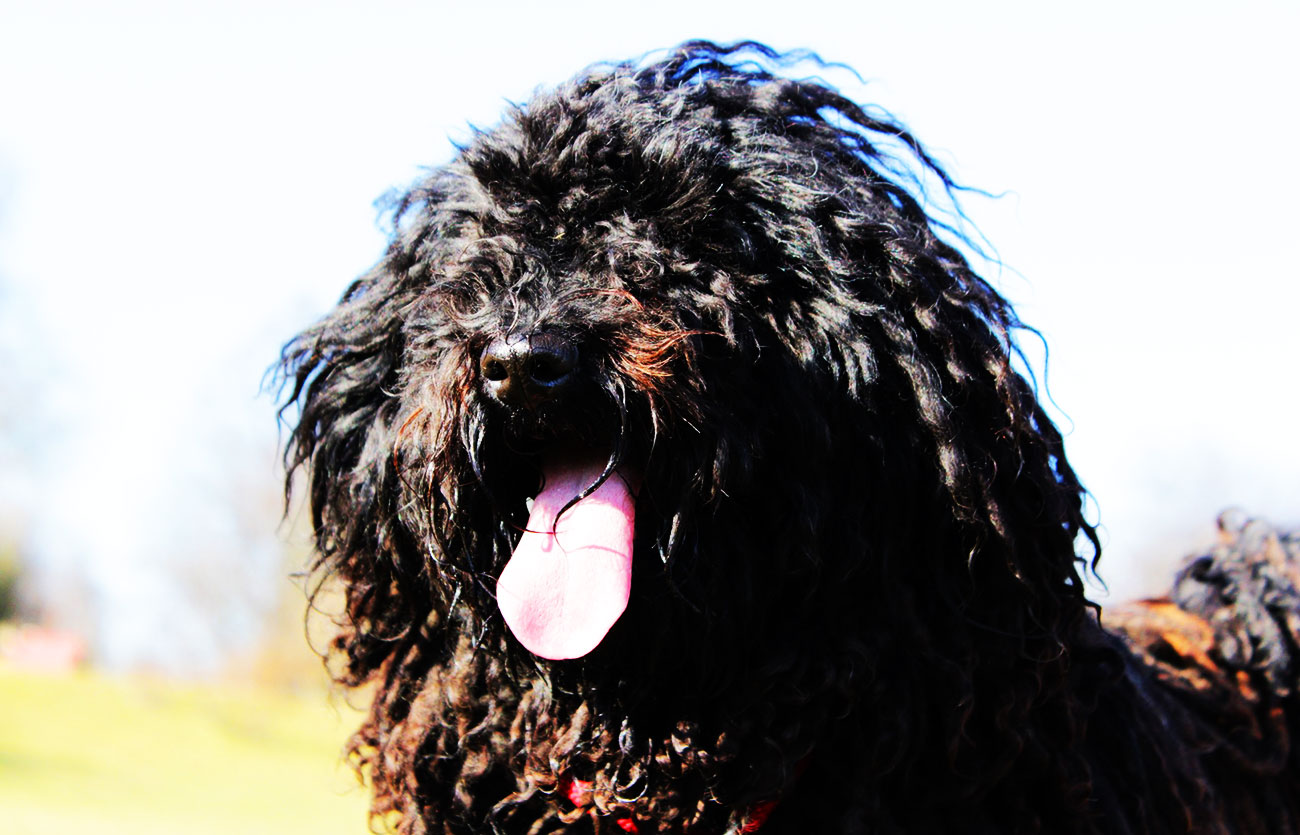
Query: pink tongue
[{"x": 567, "y": 583}]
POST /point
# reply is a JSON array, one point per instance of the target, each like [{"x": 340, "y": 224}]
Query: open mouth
[{"x": 570, "y": 576}]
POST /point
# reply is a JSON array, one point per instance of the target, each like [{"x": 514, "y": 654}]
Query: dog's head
[{"x": 673, "y": 370}]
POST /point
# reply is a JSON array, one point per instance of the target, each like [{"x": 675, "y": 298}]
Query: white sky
[{"x": 183, "y": 185}]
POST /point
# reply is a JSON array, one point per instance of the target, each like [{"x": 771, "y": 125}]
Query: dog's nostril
[
  {"x": 549, "y": 364},
  {"x": 494, "y": 369}
]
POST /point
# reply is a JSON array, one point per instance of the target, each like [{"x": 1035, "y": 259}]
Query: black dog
[{"x": 801, "y": 552}]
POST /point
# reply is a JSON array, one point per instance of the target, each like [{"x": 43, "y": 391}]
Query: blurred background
[{"x": 184, "y": 185}]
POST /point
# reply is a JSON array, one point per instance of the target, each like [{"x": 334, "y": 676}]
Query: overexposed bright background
[{"x": 184, "y": 185}]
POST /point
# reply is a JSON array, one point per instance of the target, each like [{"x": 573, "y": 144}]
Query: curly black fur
[{"x": 856, "y": 585}]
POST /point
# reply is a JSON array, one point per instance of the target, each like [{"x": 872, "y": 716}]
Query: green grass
[{"x": 84, "y": 753}]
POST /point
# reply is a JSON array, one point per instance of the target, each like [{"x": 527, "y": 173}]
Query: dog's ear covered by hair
[{"x": 341, "y": 375}]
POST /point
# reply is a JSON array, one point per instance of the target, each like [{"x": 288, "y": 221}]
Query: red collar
[{"x": 578, "y": 793}]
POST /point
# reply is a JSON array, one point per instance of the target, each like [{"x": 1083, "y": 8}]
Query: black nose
[{"x": 527, "y": 370}]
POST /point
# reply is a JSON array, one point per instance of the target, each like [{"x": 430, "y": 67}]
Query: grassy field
[{"x": 83, "y": 753}]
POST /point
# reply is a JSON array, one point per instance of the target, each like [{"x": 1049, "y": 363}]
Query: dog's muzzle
[{"x": 526, "y": 370}]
